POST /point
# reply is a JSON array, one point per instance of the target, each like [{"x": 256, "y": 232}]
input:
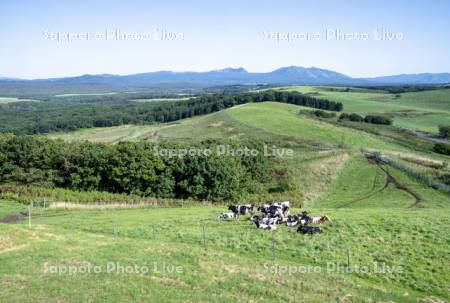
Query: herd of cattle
[{"x": 271, "y": 215}]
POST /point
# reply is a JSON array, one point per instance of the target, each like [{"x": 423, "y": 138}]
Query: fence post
[
  {"x": 154, "y": 231},
  {"x": 114, "y": 227},
  {"x": 29, "y": 216}
]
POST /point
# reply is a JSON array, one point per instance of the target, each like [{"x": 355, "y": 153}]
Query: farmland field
[
  {"x": 387, "y": 241},
  {"x": 423, "y": 111}
]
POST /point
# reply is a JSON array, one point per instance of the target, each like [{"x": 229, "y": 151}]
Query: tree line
[
  {"x": 43, "y": 117},
  {"x": 133, "y": 168}
]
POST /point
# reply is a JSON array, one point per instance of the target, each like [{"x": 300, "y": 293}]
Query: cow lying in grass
[
  {"x": 301, "y": 219},
  {"x": 271, "y": 215},
  {"x": 320, "y": 220},
  {"x": 277, "y": 213},
  {"x": 267, "y": 226},
  {"x": 226, "y": 216},
  {"x": 309, "y": 230}
]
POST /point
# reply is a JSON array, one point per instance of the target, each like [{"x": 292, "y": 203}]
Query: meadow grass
[
  {"x": 106, "y": 134},
  {"x": 232, "y": 261},
  {"x": 424, "y": 110}
]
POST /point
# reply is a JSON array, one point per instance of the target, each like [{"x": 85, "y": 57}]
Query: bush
[
  {"x": 444, "y": 131},
  {"x": 323, "y": 114},
  {"x": 377, "y": 120},
  {"x": 442, "y": 148},
  {"x": 343, "y": 116},
  {"x": 355, "y": 117}
]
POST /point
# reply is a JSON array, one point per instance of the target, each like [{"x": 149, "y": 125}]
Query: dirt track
[{"x": 389, "y": 180}]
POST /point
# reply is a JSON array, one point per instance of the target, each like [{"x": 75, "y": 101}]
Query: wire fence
[{"x": 239, "y": 236}]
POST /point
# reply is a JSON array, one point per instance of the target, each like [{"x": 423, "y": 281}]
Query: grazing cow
[
  {"x": 241, "y": 209},
  {"x": 309, "y": 230},
  {"x": 320, "y": 220},
  {"x": 226, "y": 216},
  {"x": 234, "y": 208}
]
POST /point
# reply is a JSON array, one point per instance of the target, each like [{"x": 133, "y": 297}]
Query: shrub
[
  {"x": 343, "y": 116},
  {"x": 444, "y": 131},
  {"x": 377, "y": 120},
  {"x": 323, "y": 114},
  {"x": 442, "y": 148},
  {"x": 355, "y": 117}
]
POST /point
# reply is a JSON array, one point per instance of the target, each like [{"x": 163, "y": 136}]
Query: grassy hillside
[
  {"x": 229, "y": 260},
  {"x": 424, "y": 110},
  {"x": 263, "y": 120}
]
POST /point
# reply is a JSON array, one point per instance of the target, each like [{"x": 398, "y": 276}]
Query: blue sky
[{"x": 214, "y": 35}]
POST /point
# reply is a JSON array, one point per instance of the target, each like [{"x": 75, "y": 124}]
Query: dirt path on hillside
[{"x": 389, "y": 180}]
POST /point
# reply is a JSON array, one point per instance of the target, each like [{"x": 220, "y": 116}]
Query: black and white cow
[
  {"x": 226, "y": 216},
  {"x": 292, "y": 220},
  {"x": 266, "y": 226},
  {"x": 304, "y": 219},
  {"x": 241, "y": 209},
  {"x": 264, "y": 209},
  {"x": 309, "y": 230}
]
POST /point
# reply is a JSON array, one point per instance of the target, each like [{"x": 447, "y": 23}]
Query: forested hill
[{"x": 44, "y": 117}]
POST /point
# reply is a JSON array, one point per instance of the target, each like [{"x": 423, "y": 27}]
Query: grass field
[
  {"x": 397, "y": 253},
  {"x": 424, "y": 110},
  {"x": 267, "y": 121}
]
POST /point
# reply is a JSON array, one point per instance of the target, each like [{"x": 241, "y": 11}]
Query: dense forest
[
  {"x": 43, "y": 117},
  {"x": 139, "y": 168}
]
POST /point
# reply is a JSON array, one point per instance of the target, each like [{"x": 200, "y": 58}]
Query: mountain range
[{"x": 229, "y": 76}]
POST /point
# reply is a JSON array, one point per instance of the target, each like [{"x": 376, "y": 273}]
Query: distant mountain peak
[
  {"x": 231, "y": 70},
  {"x": 288, "y": 75}
]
